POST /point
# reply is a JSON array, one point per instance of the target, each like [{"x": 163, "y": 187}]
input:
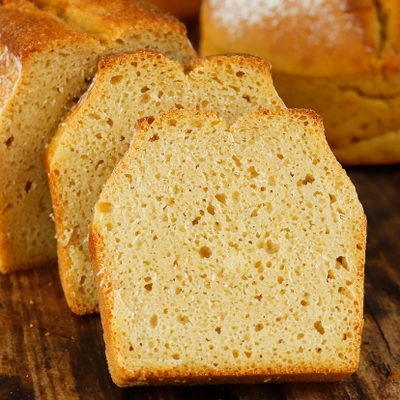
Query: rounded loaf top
[{"x": 307, "y": 37}]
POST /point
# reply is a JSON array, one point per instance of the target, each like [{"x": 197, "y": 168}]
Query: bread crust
[
  {"x": 155, "y": 374},
  {"x": 115, "y": 22},
  {"x": 26, "y": 31}
]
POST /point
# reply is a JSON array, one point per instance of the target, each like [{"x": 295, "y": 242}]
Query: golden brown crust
[
  {"x": 354, "y": 36},
  {"x": 117, "y": 21},
  {"x": 26, "y": 30},
  {"x": 205, "y": 375}
]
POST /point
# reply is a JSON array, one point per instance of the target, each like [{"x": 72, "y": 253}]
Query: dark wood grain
[{"x": 47, "y": 352}]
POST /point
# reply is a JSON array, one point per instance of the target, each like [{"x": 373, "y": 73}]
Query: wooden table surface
[{"x": 47, "y": 352}]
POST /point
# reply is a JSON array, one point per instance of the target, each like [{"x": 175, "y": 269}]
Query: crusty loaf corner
[
  {"x": 97, "y": 133},
  {"x": 125, "y": 25},
  {"x": 229, "y": 254}
]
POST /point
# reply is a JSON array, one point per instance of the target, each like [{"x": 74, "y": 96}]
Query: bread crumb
[
  {"x": 31, "y": 325},
  {"x": 47, "y": 334}
]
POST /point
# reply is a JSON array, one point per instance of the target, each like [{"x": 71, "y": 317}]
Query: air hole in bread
[
  {"x": 221, "y": 198},
  {"x": 308, "y": 179},
  {"x": 115, "y": 80},
  {"x": 237, "y": 161},
  {"x": 342, "y": 262},
  {"x": 318, "y": 326},
  {"x": 154, "y": 138},
  {"x": 105, "y": 207},
  {"x": 28, "y": 186},
  {"x": 9, "y": 141},
  {"x": 205, "y": 252},
  {"x": 149, "y": 287}
]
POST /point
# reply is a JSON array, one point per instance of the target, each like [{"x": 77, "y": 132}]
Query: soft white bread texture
[
  {"x": 45, "y": 66},
  {"x": 229, "y": 254},
  {"x": 337, "y": 57},
  {"x": 98, "y": 131}
]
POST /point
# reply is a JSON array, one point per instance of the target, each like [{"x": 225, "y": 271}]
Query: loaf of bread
[
  {"x": 45, "y": 66},
  {"x": 123, "y": 25},
  {"x": 336, "y": 57},
  {"x": 229, "y": 254},
  {"x": 97, "y": 133}
]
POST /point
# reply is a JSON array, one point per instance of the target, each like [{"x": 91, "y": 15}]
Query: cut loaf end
[{"x": 229, "y": 254}]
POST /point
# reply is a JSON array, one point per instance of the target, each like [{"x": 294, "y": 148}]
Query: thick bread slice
[
  {"x": 45, "y": 65},
  {"x": 37, "y": 89},
  {"x": 125, "y": 25},
  {"x": 229, "y": 254},
  {"x": 98, "y": 131}
]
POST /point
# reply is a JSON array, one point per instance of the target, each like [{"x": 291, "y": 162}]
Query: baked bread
[
  {"x": 97, "y": 133},
  {"x": 123, "y": 25},
  {"x": 45, "y": 65},
  {"x": 229, "y": 254},
  {"x": 337, "y": 57},
  {"x": 185, "y": 11}
]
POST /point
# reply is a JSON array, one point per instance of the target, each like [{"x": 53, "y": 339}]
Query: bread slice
[
  {"x": 45, "y": 66},
  {"x": 98, "y": 131},
  {"x": 229, "y": 254},
  {"x": 36, "y": 91}
]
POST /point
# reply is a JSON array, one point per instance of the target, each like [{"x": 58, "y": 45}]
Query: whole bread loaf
[
  {"x": 97, "y": 133},
  {"x": 229, "y": 254},
  {"x": 337, "y": 57},
  {"x": 45, "y": 66}
]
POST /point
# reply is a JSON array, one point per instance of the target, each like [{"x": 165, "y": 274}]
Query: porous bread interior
[
  {"x": 229, "y": 251},
  {"x": 97, "y": 134},
  {"x": 35, "y": 96},
  {"x": 41, "y": 92}
]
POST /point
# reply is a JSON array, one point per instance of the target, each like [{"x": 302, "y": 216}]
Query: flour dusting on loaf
[{"x": 251, "y": 13}]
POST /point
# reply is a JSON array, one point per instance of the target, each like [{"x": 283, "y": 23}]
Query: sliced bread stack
[
  {"x": 229, "y": 254},
  {"x": 97, "y": 133},
  {"x": 46, "y": 63}
]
